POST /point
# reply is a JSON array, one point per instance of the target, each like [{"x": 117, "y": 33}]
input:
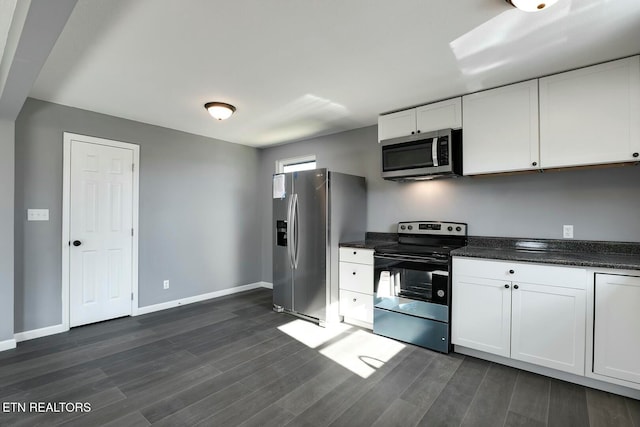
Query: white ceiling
[{"x": 297, "y": 69}]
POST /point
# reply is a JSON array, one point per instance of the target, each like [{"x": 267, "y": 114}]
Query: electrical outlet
[
  {"x": 37, "y": 214},
  {"x": 567, "y": 231},
  {"x": 166, "y": 284}
]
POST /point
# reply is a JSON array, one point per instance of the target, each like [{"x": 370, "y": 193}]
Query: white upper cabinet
[
  {"x": 501, "y": 129},
  {"x": 440, "y": 115},
  {"x": 398, "y": 124},
  {"x": 436, "y": 116},
  {"x": 591, "y": 115}
]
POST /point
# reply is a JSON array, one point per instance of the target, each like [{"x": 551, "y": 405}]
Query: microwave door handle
[{"x": 434, "y": 151}]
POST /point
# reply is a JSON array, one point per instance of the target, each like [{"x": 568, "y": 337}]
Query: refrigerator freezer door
[
  {"x": 310, "y": 249},
  {"x": 282, "y": 261}
]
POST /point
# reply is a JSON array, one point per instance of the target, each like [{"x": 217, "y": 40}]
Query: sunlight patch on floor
[
  {"x": 359, "y": 351},
  {"x": 362, "y": 352},
  {"x": 311, "y": 334}
]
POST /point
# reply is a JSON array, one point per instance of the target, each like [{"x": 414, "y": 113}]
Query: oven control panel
[{"x": 437, "y": 228}]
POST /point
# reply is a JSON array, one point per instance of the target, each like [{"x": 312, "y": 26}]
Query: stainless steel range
[{"x": 412, "y": 283}]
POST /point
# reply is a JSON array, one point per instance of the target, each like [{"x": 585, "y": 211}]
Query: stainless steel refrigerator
[{"x": 312, "y": 212}]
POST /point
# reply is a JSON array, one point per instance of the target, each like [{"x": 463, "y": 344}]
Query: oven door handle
[{"x": 421, "y": 259}]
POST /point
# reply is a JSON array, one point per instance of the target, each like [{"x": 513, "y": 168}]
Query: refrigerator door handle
[
  {"x": 290, "y": 230},
  {"x": 295, "y": 230}
]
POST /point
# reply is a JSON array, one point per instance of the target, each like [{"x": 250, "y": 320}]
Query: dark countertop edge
[
  {"x": 575, "y": 259},
  {"x": 555, "y": 245},
  {"x": 578, "y": 253},
  {"x": 372, "y": 241},
  {"x": 365, "y": 244}
]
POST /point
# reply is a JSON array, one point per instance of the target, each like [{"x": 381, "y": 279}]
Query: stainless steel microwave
[{"x": 423, "y": 156}]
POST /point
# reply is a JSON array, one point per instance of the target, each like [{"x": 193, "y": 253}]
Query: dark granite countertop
[
  {"x": 372, "y": 241},
  {"x": 582, "y": 253}
]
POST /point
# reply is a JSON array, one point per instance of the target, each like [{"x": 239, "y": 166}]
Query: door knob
[{"x": 77, "y": 243}]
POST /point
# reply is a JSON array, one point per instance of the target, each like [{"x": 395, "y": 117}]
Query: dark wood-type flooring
[{"x": 224, "y": 362}]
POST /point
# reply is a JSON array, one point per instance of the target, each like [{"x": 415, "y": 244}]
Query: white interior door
[{"x": 100, "y": 231}]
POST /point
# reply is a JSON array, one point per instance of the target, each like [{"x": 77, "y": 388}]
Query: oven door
[{"x": 417, "y": 286}]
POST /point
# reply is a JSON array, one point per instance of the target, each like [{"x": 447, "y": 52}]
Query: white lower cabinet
[
  {"x": 528, "y": 312},
  {"x": 356, "y": 286},
  {"x": 355, "y": 305},
  {"x": 481, "y": 313},
  {"x": 616, "y": 332},
  {"x": 548, "y": 326}
]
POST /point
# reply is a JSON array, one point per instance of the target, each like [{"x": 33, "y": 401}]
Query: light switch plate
[
  {"x": 567, "y": 231},
  {"x": 37, "y": 214}
]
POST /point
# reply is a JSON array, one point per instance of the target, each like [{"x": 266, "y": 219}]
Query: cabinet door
[
  {"x": 398, "y": 124},
  {"x": 501, "y": 129},
  {"x": 481, "y": 314},
  {"x": 590, "y": 115},
  {"x": 548, "y": 326},
  {"x": 439, "y": 115},
  {"x": 616, "y": 348}
]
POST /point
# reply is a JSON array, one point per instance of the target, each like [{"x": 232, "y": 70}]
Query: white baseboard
[
  {"x": 553, "y": 373},
  {"x": 203, "y": 297},
  {"x": 38, "y": 333},
  {"x": 360, "y": 323},
  {"x": 7, "y": 345},
  {"x": 56, "y": 329}
]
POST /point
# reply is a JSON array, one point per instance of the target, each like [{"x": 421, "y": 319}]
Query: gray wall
[
  {"x": 198, "y": 210},
  {"x": 6, "y": 229},
  {"x": 602, "y": 204}
]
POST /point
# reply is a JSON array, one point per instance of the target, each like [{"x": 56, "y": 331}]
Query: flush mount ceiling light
[
  {"x": 220, "y": 110},
  {"x": 531, "y": 5}
]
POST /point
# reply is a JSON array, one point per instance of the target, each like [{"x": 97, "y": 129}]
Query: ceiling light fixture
[
  {"x": 220, "y": 110},
  {"x": 531, "y": 5}
]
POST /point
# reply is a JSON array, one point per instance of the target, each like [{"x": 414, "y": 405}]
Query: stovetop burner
[{"x": 435, "y": 239}]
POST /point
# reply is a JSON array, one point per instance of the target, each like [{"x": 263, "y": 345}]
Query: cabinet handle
[
  {"x": 354, "y": 300},
  {"x": 511, "y": 271},
  {"x": 534, "y": 164},
  {"x": 506, "y": 286},
  {"x": 412, "y": 132},
  {"x": 636, "y": 154},
  {"x": 354, "y": 273},
  {"x": 418, "y": 131},
  {"x": 354, "y": 252},
  {"x": 516, "y": 287}
]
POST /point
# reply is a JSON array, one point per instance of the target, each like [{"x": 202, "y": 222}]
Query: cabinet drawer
[
  {"x": 543, "y": 274},
  {"x": 356, "y": 306},
  {"x": 356, "y": 277},
  {"x": 360, "y": 256}
]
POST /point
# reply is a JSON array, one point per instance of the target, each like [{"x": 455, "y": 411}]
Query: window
[{"x": 294, "y": 164}]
